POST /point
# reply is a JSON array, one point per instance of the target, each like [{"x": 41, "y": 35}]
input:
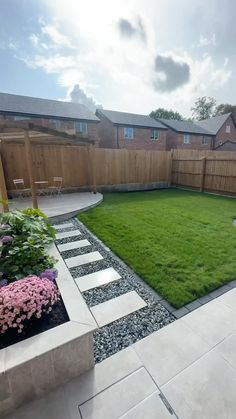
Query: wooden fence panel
[{"x": 77, "y": 165}]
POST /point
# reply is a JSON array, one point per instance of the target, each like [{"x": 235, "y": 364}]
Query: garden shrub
[
  {"x": 25, "y": 299},
  {"x": 24, "y": 236}
]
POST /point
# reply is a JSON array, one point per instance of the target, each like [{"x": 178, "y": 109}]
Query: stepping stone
[
  {"x": 67, "y": 234},
  {"x": 83, "y": 259},
  {"x": 117, "y": 307},
  {"x": 66, "y": 225},
  {"x": 96, "y": 279},
  {"x": 73, "y": 245}
]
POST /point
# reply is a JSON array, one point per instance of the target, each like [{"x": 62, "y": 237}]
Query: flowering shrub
[
  {"x": 24, "y": 299},
  {"x": 24, "y": 236},
  {"x": 50, "y": 274}
]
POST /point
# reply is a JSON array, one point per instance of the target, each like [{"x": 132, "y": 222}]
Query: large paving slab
[
  {"x": 83, "y": 259},
  {"x": 168, "y": 351},
  {"x": 65, "y": 225},
  {"x": 117, "y": 308},
  {"x": 73, "y": 245},
  {"x": 119, "y": 398},
  {"x": 227, "y": 349},
  {"x": 67, "y": 234},
  {"x": 213, "y": 322},
  {"x": 150, "y": 408},
  {"x": 103, "y": 375},
  {"x": 205, "y": 390},
  {"x": 229, "y": 299},
  {"x": 96, "y": 279}
]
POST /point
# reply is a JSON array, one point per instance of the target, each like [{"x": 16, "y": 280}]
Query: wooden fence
[
  {"x": 83, "y": 166},
  {"x": 204, "y": 170}
]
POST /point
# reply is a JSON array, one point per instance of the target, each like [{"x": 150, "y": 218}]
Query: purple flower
[
  {"x": 6, "y": 239},
  {"x": 50, "y": 274},
  {"x": 3, "y": 283}
]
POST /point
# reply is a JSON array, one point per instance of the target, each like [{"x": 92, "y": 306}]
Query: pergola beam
[{"x": 29, "y": 126}]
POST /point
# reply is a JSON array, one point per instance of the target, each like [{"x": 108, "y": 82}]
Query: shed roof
[
  {"x": 213, "y": 124},
  {"x": 132, "y": 119},
  {"x": 185, "y": 126},
  {"x": 33, "y": 106}
]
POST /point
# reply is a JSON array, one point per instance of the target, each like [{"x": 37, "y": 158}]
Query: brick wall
[
  {"x": 222, "y": 135},
  {"x": 176, "y": 140},
  {"x": 142, "y": 139},
  {"x": 106, "y": 133},
  {"x": 65, "y": 126}
]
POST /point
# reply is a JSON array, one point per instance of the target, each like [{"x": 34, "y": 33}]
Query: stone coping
[{"x": 67, "y": 349}]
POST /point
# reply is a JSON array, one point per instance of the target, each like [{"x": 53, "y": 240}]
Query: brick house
[
  {"x": 131, "y": 131},
  {"x": 72, "y": 118},
  {"x": 223, "y": 128},
  {"x": 186, "y": 135}
]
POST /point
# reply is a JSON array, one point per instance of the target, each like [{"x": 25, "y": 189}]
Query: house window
[
  {"x": 227, "y": 129},
  {"x": 187, "y": 139},
  {"x": 154, "y": 134},
  {"x": 129, "y": 133},
  {"x": 21, "y": 118},
  {"x": 205, "y": 140},
  {"x": 81, "y": 128}
]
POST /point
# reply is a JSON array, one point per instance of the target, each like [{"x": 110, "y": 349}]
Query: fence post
[
  {"x": 202, "y": 174},
  {"x": 3, "y": 189},
  {"x": 170, "y": 166}
]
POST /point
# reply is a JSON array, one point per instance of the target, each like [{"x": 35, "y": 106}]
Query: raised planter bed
[{"x": 34, "y": 366}]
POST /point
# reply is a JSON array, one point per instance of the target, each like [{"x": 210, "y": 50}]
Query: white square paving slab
[
  {"x": 204, "y": 390},
  {"x": 67, "y": 234},
  {"x": 168, "y": 351},
  {"x": 83, "y": 259},
  {"x": 96, "y": 279},
  {"x": 66, "y": 225},
  {"x": 227, "y": 349},
  {"x": 229, "y": 299},
  {"x": 150, "y": 408},
  {"x": 213, "y": 322},
  {"x": 73, "y": 245},
  {"x": 119, "y": 398},
  {"x": 117, "y": 308},
  {"x": 102, "y": 376}
]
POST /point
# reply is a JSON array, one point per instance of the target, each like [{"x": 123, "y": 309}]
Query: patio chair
[
  {"x": 55, "y": 189},
  {"x": 20, "y": 188}
]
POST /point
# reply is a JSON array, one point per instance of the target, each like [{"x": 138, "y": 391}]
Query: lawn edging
[{"x": 34, "y": 366}]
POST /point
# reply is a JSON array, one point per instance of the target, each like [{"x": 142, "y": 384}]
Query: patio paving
[
  {"x": 186, "y": 370},
  {"x": 61, "y": 207}
]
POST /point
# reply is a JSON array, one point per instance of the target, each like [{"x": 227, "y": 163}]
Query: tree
[
  {"x": 204, "y": 108},
  {"x": 164, "y": 113},
  {"x": 224, "y": 108}
]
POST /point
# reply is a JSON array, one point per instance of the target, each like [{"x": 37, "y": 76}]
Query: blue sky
[{"x": 131, "y": 55}]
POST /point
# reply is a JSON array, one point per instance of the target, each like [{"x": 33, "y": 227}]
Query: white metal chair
[
  {"x": 20, "y": 188},
  {"x": 55, "y": 189}
]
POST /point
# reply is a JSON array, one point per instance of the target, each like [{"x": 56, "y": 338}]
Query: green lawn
[{"x": 181, "y": 243}]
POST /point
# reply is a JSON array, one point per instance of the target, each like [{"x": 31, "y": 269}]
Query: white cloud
[{"x": 85, "y": 48}]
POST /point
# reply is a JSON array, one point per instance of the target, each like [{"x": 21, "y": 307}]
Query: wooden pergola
[{"x": 28, "y": 132}]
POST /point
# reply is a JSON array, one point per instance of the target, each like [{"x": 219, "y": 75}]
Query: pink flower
[
  {"x": 6, "y": 239},
  {"x": 29, "y": 297}
]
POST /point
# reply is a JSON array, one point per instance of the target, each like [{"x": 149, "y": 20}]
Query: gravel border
[{"x": 129, "y": 329}]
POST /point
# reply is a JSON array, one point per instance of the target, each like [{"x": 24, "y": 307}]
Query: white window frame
[
  {"x": 20, "y": 118},
  {"x": 155, "y": 134},
  {"x": 128, "y": 133},
  {"x": 81, "y": 125},
  {"x": 205, "y": 140},
  {"x": 187, "y": 138},
  {"x": 227, "y": 129}
]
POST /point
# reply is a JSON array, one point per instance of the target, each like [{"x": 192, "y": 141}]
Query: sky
[{"x": 126, "y": 55}]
